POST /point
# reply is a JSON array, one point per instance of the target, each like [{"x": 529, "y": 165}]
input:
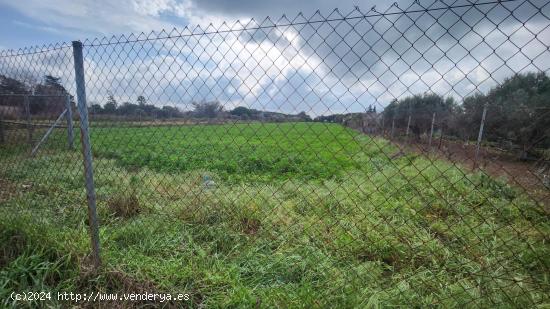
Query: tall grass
[{"x": 278, "y": 226}]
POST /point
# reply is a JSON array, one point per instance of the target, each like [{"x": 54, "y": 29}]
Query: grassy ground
[{"x": 295, "y": 215}]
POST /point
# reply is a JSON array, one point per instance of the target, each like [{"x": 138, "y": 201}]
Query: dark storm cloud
[
  {"x": 455, "y": 51},
  {"x": 363, "y": 60}
]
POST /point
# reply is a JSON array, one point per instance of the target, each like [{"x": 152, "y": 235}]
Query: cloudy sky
[
  {"x": 32, "y": 22},
  {"x": 323, "y": 67}
]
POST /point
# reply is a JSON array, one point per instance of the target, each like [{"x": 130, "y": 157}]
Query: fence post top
[{"x": 77, "y": 44}]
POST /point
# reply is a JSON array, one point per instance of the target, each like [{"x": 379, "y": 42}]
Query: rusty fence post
[{"x": 86, "y": 151}]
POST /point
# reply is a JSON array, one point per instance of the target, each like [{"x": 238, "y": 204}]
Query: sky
[
  {"x": 36, "y": 22},
  {"x": 320, "y": 68}
]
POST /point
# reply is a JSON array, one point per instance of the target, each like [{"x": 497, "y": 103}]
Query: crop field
[
  {"x": 244, "y": 152},
  {"x": 270, "y": 215}
]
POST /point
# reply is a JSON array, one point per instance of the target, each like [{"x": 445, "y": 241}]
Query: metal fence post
[
  {"x": 29, "y": 120},
  {"x": 86, "y": 150},
  {"x": 69, "y": 116},
  {"x": 440, "y": 137},
  {"x": 431, "y": 133},
  {"x": 408, "y": 126},
  {"x": 2, "y": 138},
  {"x": 392, "y": 127},
  {"x": 480, "y": 135}
]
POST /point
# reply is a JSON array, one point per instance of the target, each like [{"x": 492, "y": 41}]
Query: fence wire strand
[{"x": 396, "y": 158}]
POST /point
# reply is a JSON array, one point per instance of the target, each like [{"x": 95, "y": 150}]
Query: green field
[
  {"x": 297, "y": 215},
  {"x": 244, "y": 152}
]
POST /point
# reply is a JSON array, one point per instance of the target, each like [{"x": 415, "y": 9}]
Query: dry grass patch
[{"x": 124, "y": 205}]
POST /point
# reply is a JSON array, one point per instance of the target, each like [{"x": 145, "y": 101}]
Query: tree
[
  {"x": 336, "y": 118},
  {"x": 54, "y": 96},
  {"x": 141, "y": 100},
  {"x": 242, "y": 111},
  {"x": 421, "y": 109},
  {"x": 51, "y": 86},
  {"x": 10, "y": 85},
  {"x": 128, "y": 109},
  {"x": 54, "y": 83},
  {"x": 303, "y": 116},
  {"x": 170, "y": 112},
  {"x": 111, "y": 105},
  {"x": 518, "y": 111},
  {"x": 96, "y": 109},
  {"x": 371, "y": 109},
  {"x": 211, "y": 109}
]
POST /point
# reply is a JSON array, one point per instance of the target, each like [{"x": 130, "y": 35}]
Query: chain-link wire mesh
[{"x": 396, "y": 158}]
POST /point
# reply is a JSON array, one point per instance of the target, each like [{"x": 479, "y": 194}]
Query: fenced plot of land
[
  {"x": 220, "y": 212},
  {"x": 314, "y": 161}
]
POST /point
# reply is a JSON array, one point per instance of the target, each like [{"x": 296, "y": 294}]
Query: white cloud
[
  {"x": 89, "y": 18},
  {"x": 153, "y": 7}
]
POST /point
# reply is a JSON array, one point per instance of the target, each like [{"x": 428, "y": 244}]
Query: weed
[
  {"x": 124, "y": 205},
  {"x": 289, "y": 214}
]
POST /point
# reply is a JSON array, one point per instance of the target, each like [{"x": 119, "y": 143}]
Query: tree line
[
  {"x": 139, "y": 109},
  {"x": 49, "y": 95},
  {"x": 518, "y": 114},
  {"x": 518, "y": 110},
  {"x": 201, "y": 110}
]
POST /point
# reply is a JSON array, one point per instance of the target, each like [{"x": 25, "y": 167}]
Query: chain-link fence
[{"x": 396, "y": 158}]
